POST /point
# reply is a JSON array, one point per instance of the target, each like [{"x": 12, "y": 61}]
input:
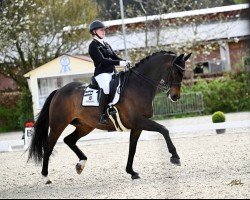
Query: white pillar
[
  {"x": 225, "y": 56},
  {"x": 123, "y": 28}
]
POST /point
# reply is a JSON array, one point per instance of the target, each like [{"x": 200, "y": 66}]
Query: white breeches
[{"x": 103, "y": 81}]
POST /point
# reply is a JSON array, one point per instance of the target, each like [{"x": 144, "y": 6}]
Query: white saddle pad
[{"x": 90, "y": 97}]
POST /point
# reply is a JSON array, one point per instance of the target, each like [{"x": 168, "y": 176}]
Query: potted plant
[{"x": 219, "y": 117}]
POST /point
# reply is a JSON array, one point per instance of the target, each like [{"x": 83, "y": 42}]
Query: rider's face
[{"x": 100, "y": 32}]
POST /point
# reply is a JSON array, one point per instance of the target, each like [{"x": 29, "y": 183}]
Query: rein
[{"x": 161, "y": 86}]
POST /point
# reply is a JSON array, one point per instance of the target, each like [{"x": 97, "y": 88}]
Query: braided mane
[{"x": 152, "y": 55}]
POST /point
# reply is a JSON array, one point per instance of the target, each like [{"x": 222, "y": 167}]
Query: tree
[
  {"x": 159, "y": 30},
  {"x": 32, "y": 32},
  {"x": 110, "y": 9}
]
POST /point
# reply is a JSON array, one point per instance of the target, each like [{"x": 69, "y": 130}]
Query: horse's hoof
[
  {"x": 175, "y": 161},
  {"x": 135, "y": 176},
  {"x": 47, "y": 179},
  {"x": 80, "y": 166},
  {"x": 48, "y": 182}
]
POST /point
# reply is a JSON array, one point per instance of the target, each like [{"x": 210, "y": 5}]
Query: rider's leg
[
  {"x": 103, "y": 102},
  {"x": 103, "y": 82}
]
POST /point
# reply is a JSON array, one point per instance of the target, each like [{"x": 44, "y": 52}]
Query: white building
[{"x": 56, "y": 74}]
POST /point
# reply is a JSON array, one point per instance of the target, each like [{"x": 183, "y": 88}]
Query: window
[
  {"x": 48, "y": 85},
  {"x": 208, "y": 67},
  {"x": 201, "y": 68}
]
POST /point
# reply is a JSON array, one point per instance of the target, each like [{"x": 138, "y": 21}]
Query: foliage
[
  {"x": 8, "y": 119},
  {"x": 25, "y": 108},
  {"x": 32, "y": 33},
  {"x": 110, "y": 9},
  {"x": 218, "y": 117},
  {"x": 15, "y": 110},
  {"x": 228, "y": 94},
  {"x": 9, "y": 111}
]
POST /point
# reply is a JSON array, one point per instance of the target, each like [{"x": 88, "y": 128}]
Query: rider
[{"x": 105, "y": 60}]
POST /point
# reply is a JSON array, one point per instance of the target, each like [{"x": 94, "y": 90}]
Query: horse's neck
[
  {"x": 152, "y": 69},
  {"x": 151, "y": 73}
]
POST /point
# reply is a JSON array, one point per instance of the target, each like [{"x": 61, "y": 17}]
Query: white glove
[
  {"x": 123, "y": 63},
  {"x": 128, "y": 63}
]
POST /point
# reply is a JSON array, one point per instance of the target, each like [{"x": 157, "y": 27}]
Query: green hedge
[
  {"x": 228, "y": 94},
  {"x": 25, "y": 108},
  {"x": 14, "y": 115},
  {"x": 9, "y": 119}
]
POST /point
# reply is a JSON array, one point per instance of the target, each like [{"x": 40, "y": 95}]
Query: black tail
[{"x": 40, "y": 135}]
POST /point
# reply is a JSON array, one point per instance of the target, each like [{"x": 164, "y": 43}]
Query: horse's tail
[{"x": 40, "y": 135}]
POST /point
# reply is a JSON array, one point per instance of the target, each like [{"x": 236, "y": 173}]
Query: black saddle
[{"x": 93, "y": 84}]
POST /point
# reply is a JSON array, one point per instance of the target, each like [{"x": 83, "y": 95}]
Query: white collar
[{"x": 99, "y": 40}]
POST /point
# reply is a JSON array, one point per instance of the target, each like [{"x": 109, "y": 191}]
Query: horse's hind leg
[
  {"x": 51, "y": 142},
  {"x": 71, "y": 140},
  {"x": 134, "y": 136}
]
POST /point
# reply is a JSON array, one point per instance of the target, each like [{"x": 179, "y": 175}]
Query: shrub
[
  {"x": 218, "y": 117},
  {"x": 9, "y": 112},
  {"x": 9, "y": 119},
  {"x": 25, "y": 108},
  {"x": 228, "y": 94},
  {"x": 15, "y": 111}
]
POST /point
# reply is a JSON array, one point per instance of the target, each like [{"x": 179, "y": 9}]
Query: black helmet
[{"x": 95, "y": 25}]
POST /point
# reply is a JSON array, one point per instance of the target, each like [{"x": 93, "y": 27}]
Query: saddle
[
  {"x": 92, "y": 94},
  {"x": 113, "y": 85}
]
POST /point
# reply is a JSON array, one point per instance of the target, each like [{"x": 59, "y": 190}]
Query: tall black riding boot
[{"x": 103, "y": 102}]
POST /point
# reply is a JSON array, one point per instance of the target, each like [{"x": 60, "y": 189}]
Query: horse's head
[{"x": 175, "y": 75}]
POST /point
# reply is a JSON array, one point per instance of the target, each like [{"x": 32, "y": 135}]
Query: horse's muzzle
[{"x": 173, "y": 98}]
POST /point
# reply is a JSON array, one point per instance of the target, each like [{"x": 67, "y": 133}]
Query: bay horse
[{"x": 64, "y": 107}]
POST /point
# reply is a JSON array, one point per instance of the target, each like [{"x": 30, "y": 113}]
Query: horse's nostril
[{"x": 175, "y": 97}]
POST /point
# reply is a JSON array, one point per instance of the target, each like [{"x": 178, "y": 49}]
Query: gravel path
[{"x": 213, "y": 166}]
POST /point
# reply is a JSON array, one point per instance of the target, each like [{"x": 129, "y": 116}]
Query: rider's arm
[
  {"x": 115, "y": 56},
  {"x": 97, "y": 56}
]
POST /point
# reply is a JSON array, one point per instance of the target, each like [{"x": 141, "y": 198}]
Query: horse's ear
[
  {"x": 179, "y": 58},
  {"x": 187, "y": 57}
]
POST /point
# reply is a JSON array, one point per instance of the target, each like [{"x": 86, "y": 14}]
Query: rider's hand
[
  {"x": 128, "y": 63},
  {"x": 123, "y": 63}
]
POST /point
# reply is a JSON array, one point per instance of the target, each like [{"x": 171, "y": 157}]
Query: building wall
[
  {"x": 213, "y": 56},
  {"x": 237, "y": 52},
  {"x": 7, "y": 83}
]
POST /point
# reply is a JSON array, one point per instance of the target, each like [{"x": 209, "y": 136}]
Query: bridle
[{"x": 165, "y": 87}]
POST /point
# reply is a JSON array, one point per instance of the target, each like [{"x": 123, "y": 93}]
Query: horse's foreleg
[
  {"x": 71, "y": 140},
  {"x": 134, "y": 136},
  {"x": 149, "y": 125}
]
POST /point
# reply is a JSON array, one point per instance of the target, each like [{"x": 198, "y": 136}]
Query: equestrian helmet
[{"x": 95, "y": 25}]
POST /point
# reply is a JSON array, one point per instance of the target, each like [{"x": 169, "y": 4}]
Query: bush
[
  {"x": 14, "y": 112},
  {"x": 9, "y": 112},
  {"x": 218, "y": 117},
  {"x": 228, "y": 94},
  {"x": 9, "y": 119},
  {"x": 25, "y": 108}
]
